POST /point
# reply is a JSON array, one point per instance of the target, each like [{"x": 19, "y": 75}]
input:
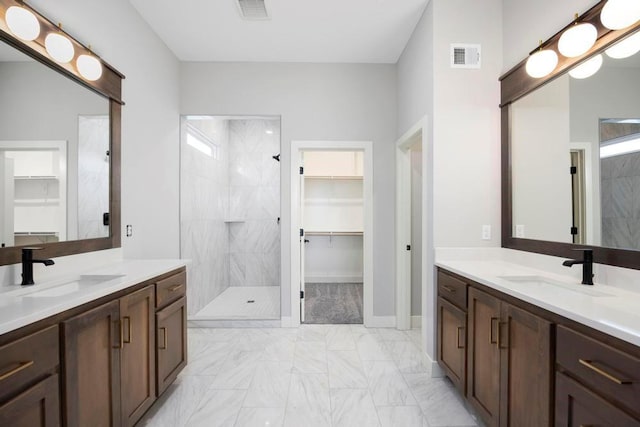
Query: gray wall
[{"x": 316, "y": 102}]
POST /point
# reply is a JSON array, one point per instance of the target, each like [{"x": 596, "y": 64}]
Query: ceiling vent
[
  {"x": 253, "y": 9},
  {"x": 465, "y": 55}
]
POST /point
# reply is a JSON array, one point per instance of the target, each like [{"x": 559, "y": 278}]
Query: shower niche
[{"x": 230, "y": 216}]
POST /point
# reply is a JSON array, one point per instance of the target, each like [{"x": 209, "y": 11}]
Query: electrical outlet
[
  {"x": 129, "y": 230},
  {"x": 520, "y": 230},
  {"x": 486, "y": 232}
]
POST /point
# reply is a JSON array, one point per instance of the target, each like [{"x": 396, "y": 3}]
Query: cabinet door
[
  {"x": 577, "y": 406},
  {"x": 39, "y": 406},
  {"x": 137, "y": 311},
  {"x": 526, "y": 369},
  {"x": 92, "y": 367},
  {"x": 483, "y": 366},
  {"x": 452, "y": 337},
  {"x": 171, "y": 322}
]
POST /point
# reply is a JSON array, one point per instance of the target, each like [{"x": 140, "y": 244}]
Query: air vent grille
[
  {"x": 465, "y": 56},
  {"x": 253, "y": 9}
]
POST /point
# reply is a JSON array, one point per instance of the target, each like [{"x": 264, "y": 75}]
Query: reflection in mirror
[
  {"x": 565, "y": 187},
  {"x": 54, "y": 155}
]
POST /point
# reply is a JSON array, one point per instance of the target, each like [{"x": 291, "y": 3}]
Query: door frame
[
  {"x": 419, "y": 132},
  {"x": 297, "y": 147}
]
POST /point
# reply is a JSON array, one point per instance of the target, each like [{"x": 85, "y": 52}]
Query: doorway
[{"x": 331, "y": 232}]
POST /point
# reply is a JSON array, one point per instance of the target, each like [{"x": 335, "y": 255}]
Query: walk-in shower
[{"x": 230, "y": 217}]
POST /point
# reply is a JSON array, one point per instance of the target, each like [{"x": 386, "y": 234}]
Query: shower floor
[{"x": 232, "y": 304}]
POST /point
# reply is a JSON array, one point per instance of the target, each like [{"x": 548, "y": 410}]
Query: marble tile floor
[
  {"x": 314, "y": 375},
  {"x": 232, "y": 304}
]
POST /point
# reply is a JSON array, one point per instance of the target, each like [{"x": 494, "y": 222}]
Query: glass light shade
[
  {"x": 625, "y": 48},
  {"x": 22, "y": 23},
  {"x": 619, "y": 14},
  {"x": 59, "y": 47},
  {"x": 587, "y": 69},
  {"x": 577, "y": 40},
  {"x": 542, "y": 63},
  {"x": 89, "y": 67}
]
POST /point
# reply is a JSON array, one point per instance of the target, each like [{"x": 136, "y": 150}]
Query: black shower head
[{"x": 276, "y": 157}]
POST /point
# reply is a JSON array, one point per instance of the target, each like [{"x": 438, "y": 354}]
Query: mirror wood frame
[
  {"x": 108, "y": 86},
  {"x": 515, "y": 84}
]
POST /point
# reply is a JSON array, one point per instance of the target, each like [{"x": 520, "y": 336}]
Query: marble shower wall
[
  {"x": 620, "y": 195},
  {"x": 204, "y": 195},
  {"x": 93, "y": 176},
  {"x": 254, "y": 202}
]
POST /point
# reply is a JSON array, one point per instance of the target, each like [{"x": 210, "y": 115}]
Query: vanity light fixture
[
  {"x": 578, "y": 39},
  {"x": 624, "y": 145},
  {"x": 22, "y": 23},
  {"x": 542, "y": 63},
  {"x": 59, "y": 47},
  {"x": 619, "y": 14},
  {"x": 625, "y": 48},
  {"x": 89, "y": 67},
  {"x": 587, "y": 69}
]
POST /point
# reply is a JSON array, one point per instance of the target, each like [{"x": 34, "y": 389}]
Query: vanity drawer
[
  {"x": 610, "y": 372},
  {"x": 452, "y": 289},
  {"x": 27, "y": 360},
  {"x": 170, "y": 289}
]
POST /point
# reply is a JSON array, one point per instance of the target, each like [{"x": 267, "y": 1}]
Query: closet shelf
[
  {"x": 35, "y": 177},
  {"x": 333, "y": 233},
  {"x": 334, "y": 177}
]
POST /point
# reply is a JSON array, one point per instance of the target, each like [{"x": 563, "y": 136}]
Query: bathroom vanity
[
  {"x": 527, "y": 349},
  {"x": 94, "y": 350}
]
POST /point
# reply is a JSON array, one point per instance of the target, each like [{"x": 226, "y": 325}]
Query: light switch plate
[{"x": 486, "y": 232}]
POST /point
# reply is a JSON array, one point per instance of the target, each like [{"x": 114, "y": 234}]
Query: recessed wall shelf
[
  {"x": 36, "y": 177},
  {"x": 233, "y": 221},
  {"x": 333, "y": 233},
  {"x": 36, "y": 233},
  {"x": 335, "y": 177}
]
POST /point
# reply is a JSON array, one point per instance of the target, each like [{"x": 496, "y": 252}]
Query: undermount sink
[
  {"x": 541, "y": 282},
  {"x": 58, "y": 289}
]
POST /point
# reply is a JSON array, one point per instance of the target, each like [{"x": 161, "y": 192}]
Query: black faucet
[
  {"x": 587, "y": 265},
  {"x": 27, "y": 265}
]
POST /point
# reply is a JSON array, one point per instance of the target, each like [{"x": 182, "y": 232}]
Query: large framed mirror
[
  {"x": 571, "y": 153},
  {"x": 59, "y": 147}
]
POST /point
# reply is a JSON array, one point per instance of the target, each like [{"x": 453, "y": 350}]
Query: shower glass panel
[{"x": 230, "y": 217}]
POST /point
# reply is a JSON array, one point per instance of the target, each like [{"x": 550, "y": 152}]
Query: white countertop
[
  {"x": 43, "y": 300},
  {"x": 608, "y": 309}
]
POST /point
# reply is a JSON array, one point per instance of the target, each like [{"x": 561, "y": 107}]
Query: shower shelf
[
  {"x": 333, "y": 233},
  {"x": 232, "y": 221}
]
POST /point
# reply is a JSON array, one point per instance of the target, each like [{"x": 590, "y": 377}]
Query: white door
[{"x": 302, "y": 243}]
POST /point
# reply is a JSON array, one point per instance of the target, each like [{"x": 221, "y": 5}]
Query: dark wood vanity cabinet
[
  {"x": 452, "y": 329},
  {"x": 171, "y": 329},
  {"x": 98, "y": 364},
  {"x": 509, "y": 359},
  {"x": 29, "y": 384}
]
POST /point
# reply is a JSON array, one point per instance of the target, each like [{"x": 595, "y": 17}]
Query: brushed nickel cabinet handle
[
  {"x": 164, "y": 341},
  {"x": 460, "y": 328},
  {"x": 449, "y": 289},
  {"x": 494, "y": 320},
  {"x": 174, "y": 288},
  {"x": 589, "y": 364},
  {"x": 21, "y": 367},
  {"x": 128, "y": 320}
]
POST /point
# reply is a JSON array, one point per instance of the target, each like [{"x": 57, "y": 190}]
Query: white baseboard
[
  {"x": 333, "y": 279},
  {"x": 382, "y": 322},
  {"x": 416, "y": 322},
  {"x": 436, "y": 370},
  {"x": 287, "y": 322}
]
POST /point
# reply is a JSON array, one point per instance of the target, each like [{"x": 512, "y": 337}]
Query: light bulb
[
  {"x": 619, "y": 14},
  {"x": 577, "y": 40},
  {"x": 59, "y": 47},
  {"x": 625, "y": 48},
  {"x": 89, "y": 67},
  {"x": 587, "y": 69},
  {"x": 22, "y": 23},
  {"x": 542, "y": 63}
]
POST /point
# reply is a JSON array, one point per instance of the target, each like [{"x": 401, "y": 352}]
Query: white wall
[
  {"x": 150, "y": 118},
  {"x": 526, "y": 22},
  {"x": 316, "y": 102},
  {"x": 465, "y": 125}
]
